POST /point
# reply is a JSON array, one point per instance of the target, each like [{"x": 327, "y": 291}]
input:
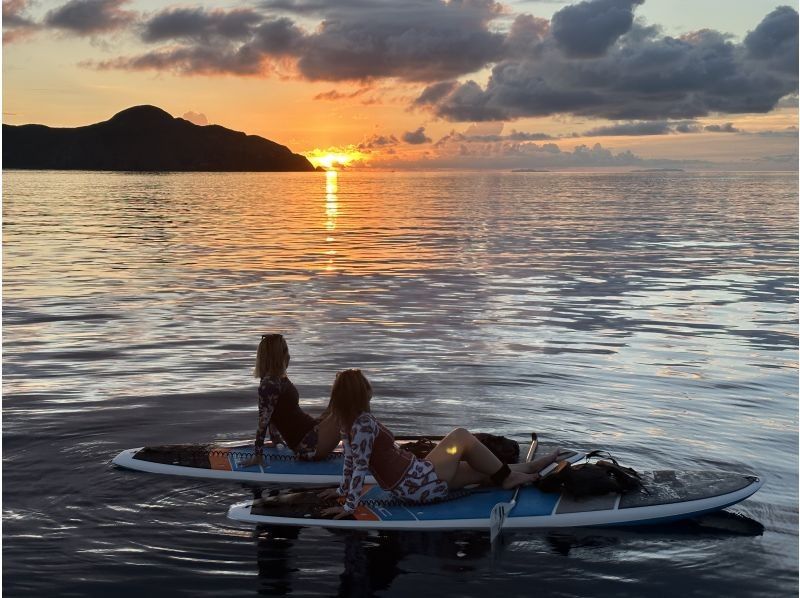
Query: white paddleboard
[{"x": 226, "y": 462}]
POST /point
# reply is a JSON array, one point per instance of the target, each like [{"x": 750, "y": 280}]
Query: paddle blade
[{"x": 497, "y": 518}]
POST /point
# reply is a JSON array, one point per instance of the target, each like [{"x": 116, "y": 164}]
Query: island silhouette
[{"x": 145, "y": 138}]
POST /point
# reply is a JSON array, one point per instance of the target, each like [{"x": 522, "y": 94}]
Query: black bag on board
[
  {"x": 592, "y": 479},
  {"x": 505, "y": 449}
]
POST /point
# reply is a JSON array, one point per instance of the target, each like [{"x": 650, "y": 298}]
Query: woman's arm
[
  {"x": 268, "y": 394},
  {"x": 347, "y": 467},
  {"x": 363, "y": 434}
]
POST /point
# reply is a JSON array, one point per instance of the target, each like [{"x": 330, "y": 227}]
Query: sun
[{"x": 335, "y": 158}]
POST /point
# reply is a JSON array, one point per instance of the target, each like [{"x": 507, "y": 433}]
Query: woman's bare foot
[{"x": 518, "y": 478}]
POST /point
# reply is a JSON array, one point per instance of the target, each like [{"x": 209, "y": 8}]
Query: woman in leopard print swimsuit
[{"x": 458, "y": 460}]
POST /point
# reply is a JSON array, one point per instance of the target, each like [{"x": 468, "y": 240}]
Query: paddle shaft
[{"x": 528, "y": 457}]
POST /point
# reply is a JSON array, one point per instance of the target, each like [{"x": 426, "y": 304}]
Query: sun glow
[{"x": 335, "y": 158}]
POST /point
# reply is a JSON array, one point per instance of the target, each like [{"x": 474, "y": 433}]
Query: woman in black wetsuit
[{"x": 279, "y": 408}]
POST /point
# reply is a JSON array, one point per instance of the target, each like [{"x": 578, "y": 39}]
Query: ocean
[{"x": 651, "y": 314}]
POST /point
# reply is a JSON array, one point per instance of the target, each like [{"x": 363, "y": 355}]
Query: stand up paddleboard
[
  {"x": 226, "y": 462},
  {"x": 668, "y": 496}
]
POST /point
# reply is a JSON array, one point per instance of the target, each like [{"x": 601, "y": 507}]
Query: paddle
[{"x": 501, "y": 510}]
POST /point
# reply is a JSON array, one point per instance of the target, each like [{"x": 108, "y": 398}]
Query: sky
[{"x": 419, "y": 84}]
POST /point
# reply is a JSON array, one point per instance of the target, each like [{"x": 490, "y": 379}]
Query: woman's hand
[
  {"x": 336, "y": 512},
  {"x": 257, "y": 459},
  {"x": 328, "y": 494}
]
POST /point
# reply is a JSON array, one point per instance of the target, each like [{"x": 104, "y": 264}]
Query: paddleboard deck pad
[
  {"x": 669, "y": 496},
  {"x": 227, "y": 462}
]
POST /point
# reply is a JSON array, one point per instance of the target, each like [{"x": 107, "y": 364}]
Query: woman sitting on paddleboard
[
  {"x": 457, "y": 461},
  {"x": 279, "y": 408}
]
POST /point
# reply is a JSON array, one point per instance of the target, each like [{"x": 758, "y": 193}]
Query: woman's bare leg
[
  {"x": 459, "y": 445},
  {"x": 466, "y": 476},
  {"x": 327, "y": 437}
]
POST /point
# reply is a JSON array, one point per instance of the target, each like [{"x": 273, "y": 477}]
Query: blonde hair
[
  {"x": 272, "y": 357},
  {"x": 350, "y": 395}
]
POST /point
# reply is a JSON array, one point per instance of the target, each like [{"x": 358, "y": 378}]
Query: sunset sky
[{"x": 426, "y": 83}]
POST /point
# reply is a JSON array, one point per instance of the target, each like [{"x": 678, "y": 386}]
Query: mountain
[{"x": 145, "y": 138}]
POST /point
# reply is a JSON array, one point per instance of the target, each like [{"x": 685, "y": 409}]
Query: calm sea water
[{"x": 650, "y": 314}]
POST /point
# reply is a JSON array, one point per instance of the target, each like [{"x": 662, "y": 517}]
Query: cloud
[
  {"x": 790, "y": 132},
  {"x": 197, "y": 118},
  {"x": 491, "y": 138},
  {"x": 641, "y": 76},
  {"x": 416, "y": 137},
  {"x": 642, "y": 128},
  {"x": 788, "y": 101},
  {"x": 775, "y": 40},
  {"x": 378, "y": 141},
  {"x": 588, "y": 29},
  {"x": 593, "y": 59},
  {"x": 525, "y": 35},
  {"x": 435, "y": 92},
  {"x": 196, "y": 23},
  {"x": 89, "y": 17},
  {"x": 726, "y": 128},
  {"x": 515, "y": 139},
  {"x": 334, "y": 95},
  {"x": 414, "y": 40},
  {"x": 276, "y": 37},
  {"x": 208, "y": 60},
  {"x": 454, "y": 152},
  {"x": 212, "y": 42},
  {"x": 487, "y": 128},
  {"x": 16, "y": 25}
]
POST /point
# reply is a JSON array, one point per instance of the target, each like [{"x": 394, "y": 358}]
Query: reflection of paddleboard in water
[
  {"x": 667, "y": 496},
  {"x": 225, "y": 462}
]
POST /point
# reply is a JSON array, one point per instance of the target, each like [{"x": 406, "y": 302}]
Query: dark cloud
[
  {"x": 89, "y": 17},
  {"x": 641, "y": 128},
  {"x": 196, "y": 60},
  {"x": 435, "y": 92},
  {"x": 416, "y": 137},
  {"x": 725, "y": 128},
  {"x": 643, "y": 76},
  {"x": 775, "y": 39},
  {"x": 277, "y": 37},
  {"x": 588, "y": 29},
  {"x": 196, "y": 23},
  {"x": 415, "y": 40}
]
